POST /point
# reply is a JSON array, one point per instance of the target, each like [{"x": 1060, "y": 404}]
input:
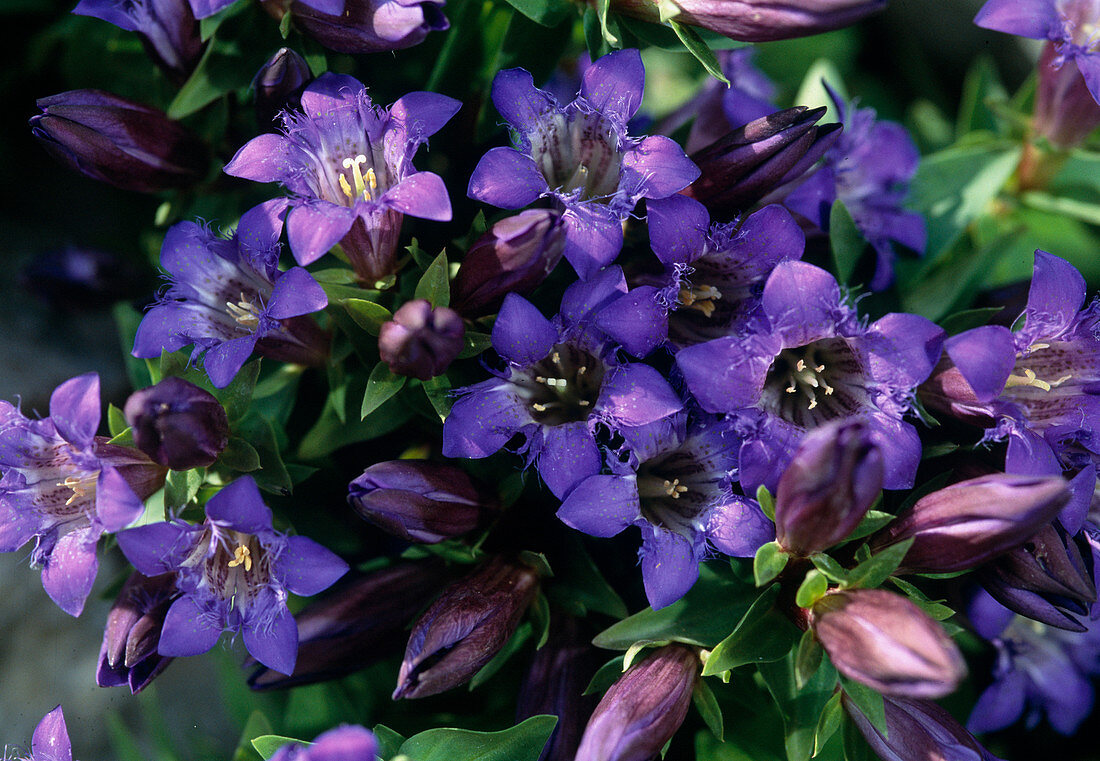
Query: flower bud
[
  {"x": 947, "y": 391},
  {"x": 372, "y": 26},
  {"x": 129, "y": 654},
  {"x": 756, "y": 20},
  {"x": 279, "y": 83},
  {"x": 751, "y": 161},
  {"x": 420, "y": 341},
  {"x": 643, "y": 709},
  {"x": 1048, "y": 579},
  {"x": 118, "y": 141},
  {"x": 178, "y": 424},
  {"x": 142, "y": 475},
  {"x": 465, "y": 627},
  {"x": 972, "y": 522},
  {"x": 835, "y": 476},
  {"x": 886, "y": 642},
  {"x": 417, "y": 500},
  {"x": 1065, "y": 111},
  {"x": 167, "y": 29},
  {"x": 515, "y": 255},
  {"x": 918, "y": 730},
  {"x": 360, "y": 622}
]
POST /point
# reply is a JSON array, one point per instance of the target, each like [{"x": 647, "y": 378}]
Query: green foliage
[
  {"x": 769, "y": 562},
  {"x": 523, "y": 742},
  {"x": 762, "y": 635}
]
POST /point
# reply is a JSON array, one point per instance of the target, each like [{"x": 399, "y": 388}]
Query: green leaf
[
  {"x": 767, "y": 501},
  {"x": 210, "y": 24},
  {"x": 698, "y": 48},
  {"x": 769, "y": 562},
  {"x": 981, "y": 85},
  {"x": 800, "y": 707},
  {"x": 708, "y": 707},
  {"x": 808, "y": 658},
  {"x": 266, "y": 745},
  {"x": 868, "y": 701},
  {"x": 934, "y": 608},
  {"x": 545, "y": 12},
  {"x": 272, "y": 476},
  {"x": 475, "y": 343},
  {"x": 855, "y": 746},
  {"x": 869, "y": 524},
  {"x": 693, "y": 619},
  {"x": 607, "y": 25},
  {"x": 389, "y": 741},
  {"x": 180, "y": 487},
  {"x": 812, "y": 588},
  {"x": 438, "y": 391},
  {"x": 762, "y": 635},
  {"x": 829, "y": 722},
  {"x": 593, "y": 35},
  {"x": 812, "y": 92},
  {"x": 239, "y": 455},
  {"x": 605, "y": 676},
  {"x": 1063, "y": 207},
  {"x": 434, "y": 284},
  {"x": 256, "y": 726},
  {"x": 845, "y": 240},
  {"x": 829, "y": 567},
  {"x": 523, "y": 742},
  {"x": 540, "y": 619},
  {"x": 127, "y": 320},
  {"x": 381, "y": 385},
  {"x": 368, "y": 315},
  {"x": 116, "y": 421},
  {"x": 872, "y": 572},
  {"x": 580, "y": 587},
  {"x": 227, "y": 65},
  {"x": 511, "y": 647},
  {"x": 970, "y": 318}
]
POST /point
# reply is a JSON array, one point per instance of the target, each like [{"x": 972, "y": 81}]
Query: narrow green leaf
[
  {"x": 116, "y": 421},
  {"x": 868, "y": 701},
  {"x": 872, "y": 572},
  {"x": 871, "y": 522},
  {"x": 381, "y": 385},
  {"x": 239, "y": 455},
  {"x": 956, "y": 323},
  {"x": 545, "y": 12},
  {"x": 523, "y": 742},
  {"x": 845, "y": 240},
  {"x": 767, "y": 501},
  {"x": 605, "y": 676},
  {"x": 828, "y": 723},
  {"x": 698, "y": 48},
  {"x": 266, "y": 745},
  {"x": 368, "y": 315},
  {"x": 475, "y": 344},
  {"x": 540, "y": 619},
  {"x": 769, "y": 562},
  {"x": 389, "y": 741},
  {"x": 708, "y": 707},
  {"x": 829, "y": 567},
  {"x": 808, "y": 659},
  {"x": 256, "y": 726},
  {"x": 180, "y": 487},
  {"x": 511, "y": 647},
  {"x": 603, "y": 8},
  {"x": 762, "y": 635},
  {"x": 812, "y": 588},
  {"x": 438, "y": 391},
  {"x": 434, "y": 284}
]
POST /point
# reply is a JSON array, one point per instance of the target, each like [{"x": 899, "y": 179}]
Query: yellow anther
[
  {"x": 1037, "y": 347},
  {"x": 792, "y": 388},
  {"x": 344, "y": 186},
  {"x": 1030, "y": 379},
  {"x": 673, "y": 488},
  {"x": 800, "y": 365},
  {"x": 819, "y": 368},
  {"x": 361, "y": 181},
  {"x": 539, "y": 407},
  {"x": 82, "y": 486},
  {"x": 241, "y": 556},
  {"x": 244, "y": 312}
]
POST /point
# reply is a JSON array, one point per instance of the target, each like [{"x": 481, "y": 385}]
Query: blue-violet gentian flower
[
  {"x": 810, "y": 358},
  {"x": 64, "y": 487},
  {"x": 50, "y": 741},
  {"x": 581, "y": 156},
  {"x": 348, "y": 166},
  {"x": 234, "y": 572},
  {"x": 228, "y": 297},
  {"x": 167, "y": 27},
  {"x": 344, "y": 743}
]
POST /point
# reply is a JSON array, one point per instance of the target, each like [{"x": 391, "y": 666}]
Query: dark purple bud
[
  {"x": 118, "y": 141},
  {"x": 918, "y": 730},
  {"x": 515, "y": 255},
  {"x": 1065, "y": 111},
  {"x": 167, "y": 29},
  {"x": 642, "y": 711},
  {"x": 1048, "y": 579},
  {"x": 465, "y": 627},
  {"x": 420, "y": 341},
  {"x": 756, "y": 20},
  {"x": 142, "y": 475},
  {"x": 361, "y": 621},
  {"x": 129, "y": 651},
  {"x": 947, "y": 391},
  {"x": 556, "y": 681},
  {"x": 752, "y": 161},
  {"x": 886, "y": 642},
  {"x": 419, "y": 501},
  {"x": 835, "y": 476},
  {"x": 372, "y": 26},
  {"x": 278, "y": 85},
  {"x": 178, "y": 424},
  {"x": 972, "y": 522}
]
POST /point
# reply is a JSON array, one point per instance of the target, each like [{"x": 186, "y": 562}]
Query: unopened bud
[
  {"x": 167, "y": 29},
  {"x": 972, "y": 522},
  {"x": 142, "y": 475},
  {"x": 465, "y": 627},
  {"x": 178, "y": 424},
  {"x": 372, "y": 26},
  {"x": 833, "y": 479},
  {"x": 418, "y": 501},
  {"x": 421, "y": 342},
  {"x": 118, "y": 141},
  {"x": 129, "y": 652},
  {"x": 886, "y": 642},
  {"x": 918, "y": 730},
  {"x": 643, "y": 709},
  {"x": 515, "y": 255},
  {"x": 279, "y": 84}
]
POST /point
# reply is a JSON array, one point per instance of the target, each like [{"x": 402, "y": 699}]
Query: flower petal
[
  {"x": 728, "y": 373},
  {"x": 50, "y": 741},
  {"x": 739, "y": 528},
  {"x": 224, "y": 361},
  {"x": 240, "y": 506},
  {"x": 521, "y": 334},
  {"x": 188, "y": 630},
  {"x": 1000, "y": 705},
  {"x": 296, "y": 293},
  {"x": 669, "y": 566},
  {"x": 1026, "y": 18},
  {"x": 518, "y": 100},
  {"x": 593, "y": 238},
  {"x": 422, "y": 195},
  {"x": 155, "y": 548},
  {"x": 481, "y": 422},
  {"x": 74, "y": 409},
  {"x": 637, "y": 395},
  {"x": 677, "y": 228},
  {"x": 261, "y": 226},
  {"x": 985, "y": 356},
  {"x": 656, "y": 167},
  {"x": 601, "y": 505},
  {"x": 637, "y": 321},
  {"x": 614, "y": 84},
  {"x": 801, "y": 301},
  {"x": 424, "y": 113},
  {"x": 507, "y": 179},
  {"x": 70, "y": 570},
  {"x": 567, "y": 455},
  {"x": 267, "y": 158},
  {"x": 1056, "y": 295},
  {"x": 329, "y": 92},
  {"x": 116, "y": 505},
  {"x": 307, "y": 568},
  {"x": 314, "y": 228},
  {"x": 276, "y": 645}
]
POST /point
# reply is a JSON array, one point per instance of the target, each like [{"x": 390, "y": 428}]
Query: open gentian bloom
[
  {"x": 233, "y": 572},
  {"x": 348, "y": 166},
  {"x": 63, "y": 487},
  {"x": 675, "y": 486},
  {"x": 581, "y": 156},
  {"x": 712, "y": 278},
  {"x": 1069, "y": 24},
  {"x": 1036, "y": 385},
  {"x": 810, "y": 359},
  {"x": 166, "y": 27},
  {"x": 868, "y": 169},
  {"x": 50, "y": 741},
  {"x": 228, "y": 297},
  {"x": 560, "y": 381}
]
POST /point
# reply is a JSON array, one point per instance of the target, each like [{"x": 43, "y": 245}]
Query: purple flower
[
  {"x": 719, "y": 108},
  {"x": 279, "y": 84},
  {"x": 167, "y": 29},
  {"x": 371, "y": 26},
  {"x": 581, "y": 156},
  {"x": 207, "y": 8},
  {"x": 1069, "y": 24},
  {"x": 345, "y": 743},
  {"x": 917, "y": 730},
  {"x": 234, "y": 572},
  {"x": 1039, "y": 670},
  {"x": 675, "y": 486},
  {"x": 421, "y": 342},
  {"x": 868, "y": 169},
  {"x": 808, "y": 359},
  {"x": 50, "y": 741},
  {"x": 348, "y": 166},
  {"x": 178, "y": 424},
  {"x": 128, "y": 655},
  {"x": 64, "y": 487},
  {"x": 712, "y": 278},
  {"x": 228, "y": 297},
  {"x": 560, "y": 381}
]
